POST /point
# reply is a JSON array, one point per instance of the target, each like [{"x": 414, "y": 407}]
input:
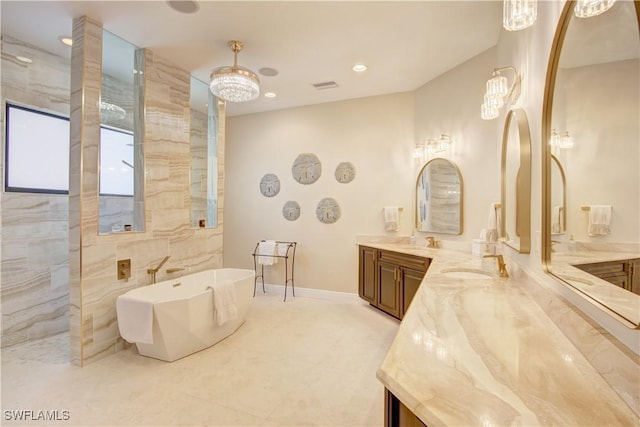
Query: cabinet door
[
  {"x": 367, "y": 288},
  {"x": 411, "y": 280},
  {"x": 389, "y": 288}
]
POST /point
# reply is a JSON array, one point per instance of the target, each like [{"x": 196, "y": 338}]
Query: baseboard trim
[{"x": 335, "y": 296}]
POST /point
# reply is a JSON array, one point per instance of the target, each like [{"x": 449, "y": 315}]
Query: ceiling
[{"x": 403, "y": 44}]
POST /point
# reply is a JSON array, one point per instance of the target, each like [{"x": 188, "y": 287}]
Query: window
[{"x": 37, "y": 151}]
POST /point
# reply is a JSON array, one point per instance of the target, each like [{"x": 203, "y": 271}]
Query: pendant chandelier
[
  {"x": 236, "y": 83},
  {"x": 519, "y": 14}
]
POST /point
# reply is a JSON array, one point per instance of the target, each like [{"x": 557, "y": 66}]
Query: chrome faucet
[
  {"x": 502, "y": 267},
  {"x": 153, "y": 271},
  {"x": 432, "y": 242}
]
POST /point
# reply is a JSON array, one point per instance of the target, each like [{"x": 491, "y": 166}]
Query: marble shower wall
[
  {"x": 93, "y": 257},
  {"x": 35, "y": 247}
]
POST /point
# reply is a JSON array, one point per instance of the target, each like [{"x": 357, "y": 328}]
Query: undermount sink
[{"x": 467, "y": 273}]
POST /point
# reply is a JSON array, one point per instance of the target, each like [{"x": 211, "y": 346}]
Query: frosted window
[
  {"x": 116, "y": 162},
  {"x": 37, "y": 151}
]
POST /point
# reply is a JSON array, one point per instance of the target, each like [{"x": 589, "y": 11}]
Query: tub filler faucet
[{"x": 154, "y": 271}]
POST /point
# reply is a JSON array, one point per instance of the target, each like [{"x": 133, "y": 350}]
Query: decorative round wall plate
[
  {"x": 345, "y": 172},
  {"x": 269, "y": 185},
  {"x": 306, "y": 168},
  {"x": 291, "y": 210},
  {"x": 328, "y": 210}
]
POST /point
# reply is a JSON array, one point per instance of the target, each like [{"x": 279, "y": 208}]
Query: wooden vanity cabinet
[
  {"x": 396, "y": 414},
  {"x": 389, "y": 280},
  {"x": 622, "y": 273}
]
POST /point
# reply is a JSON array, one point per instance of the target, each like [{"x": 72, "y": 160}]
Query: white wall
[{"x": 375, "y": 134}]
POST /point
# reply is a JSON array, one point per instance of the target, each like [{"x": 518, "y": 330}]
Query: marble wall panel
[{"x": 34, "y": 257}]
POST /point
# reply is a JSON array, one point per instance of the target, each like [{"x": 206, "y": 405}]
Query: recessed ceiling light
[
  {"x": 268, "y": 72},
  {"x": 24, "y": 59},
  {"x": 66, "y": 40},
  {"x": 358, "y": 68},
  {"x": 184, "y": 6},
  {"x": 269, "y": 95}
]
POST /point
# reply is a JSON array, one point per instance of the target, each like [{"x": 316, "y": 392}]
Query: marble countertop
[{"x": 481, "y": 351}]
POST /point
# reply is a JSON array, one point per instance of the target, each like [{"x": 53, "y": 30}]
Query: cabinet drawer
[{"x": 404, "y": 260}]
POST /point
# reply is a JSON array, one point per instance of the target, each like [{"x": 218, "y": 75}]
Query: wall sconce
[
  {"x": 419, "y": 151},
  {"x": 443, "y": 143},
  {"x": 589, "y": 8},
  {"x": 519, "y": 14},
  {"x": 499, "y": 92},
  {"x": 563, "y": 141},
  {"x": 431, "y": 147}
]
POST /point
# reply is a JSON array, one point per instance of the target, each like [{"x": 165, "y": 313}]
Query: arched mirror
[
  {"x": 515, "y": 229},
  {"x": 439, "y": 198},
  {"x": 592, "y": 95}
]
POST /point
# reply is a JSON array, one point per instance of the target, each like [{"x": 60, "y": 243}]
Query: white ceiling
[{"x": 403, "y": 44}]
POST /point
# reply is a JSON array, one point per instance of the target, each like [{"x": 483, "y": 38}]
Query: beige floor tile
[{"x": 303, "y": 362}]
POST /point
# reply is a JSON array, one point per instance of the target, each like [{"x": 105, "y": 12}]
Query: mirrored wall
[
  {"x": 121, "y": 180},
  {"x": 204, "y": 156}
]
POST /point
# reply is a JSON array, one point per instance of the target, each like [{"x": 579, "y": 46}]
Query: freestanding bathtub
[{"x": 172, "y": 319}]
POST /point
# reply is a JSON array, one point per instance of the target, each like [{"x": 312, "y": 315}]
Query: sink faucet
[
  {"x": 502, "y": 267},
  {"x": 153, "y": 271},
  {"x": 432, "y": 242}
]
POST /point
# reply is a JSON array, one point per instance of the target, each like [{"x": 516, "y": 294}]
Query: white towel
[
  {"x": 281, "y": 249},
  {"x": 556, "y": 220},
  {"x": 391, "y": 218},
  {"x": 493, "y": 223},
  {"x": 599, "y": 220},
  {"x": 135, "y": 319},
  {"x": 266, "y": 250},
  {"x": 224, "y": 301}
]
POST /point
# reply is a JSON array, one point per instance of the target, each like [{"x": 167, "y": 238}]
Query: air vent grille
[{"x": 325, "y": 85}]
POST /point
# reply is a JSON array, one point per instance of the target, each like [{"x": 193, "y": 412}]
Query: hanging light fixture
[
  {"x": 519, "y": 14},
  {"x": 589, "y": 8},
  {"x": 555, "y": 139},
  {"x": 498, "y": 92},
  {"x": 563, "y": 141},
  {"x": 236, "y": 83}
]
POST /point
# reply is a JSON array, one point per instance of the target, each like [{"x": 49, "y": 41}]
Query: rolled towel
[
  {"x": 599, "y": 220},
  {"x": 391, "y": 218}
]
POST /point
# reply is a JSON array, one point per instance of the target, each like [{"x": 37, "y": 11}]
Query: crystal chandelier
[
  {"x": 110, "y": 112},
  {"x": 236, "y": 83},
  {"x": 519, "y": 14},
  {"x": 589, "y": 8}
]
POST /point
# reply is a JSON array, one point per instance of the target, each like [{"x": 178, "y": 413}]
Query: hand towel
[
  {"x": 224, "y": 301},
  {"x": 556, "y": 219},
  {"x": 391, "y": 218},
  {"x": 599, "y": 220},
  {"x": 266, "y": 250},
  {"x": 281, "y": 249},
  {"x": 135, "y": 319},
  {"x": 493, "y": 222}
]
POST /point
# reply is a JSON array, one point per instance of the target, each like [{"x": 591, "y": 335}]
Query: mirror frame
[
  {"x": 523, "y": 183},
  {"x": 547, "y": 113},
  {"x": 417, "y": 208}
]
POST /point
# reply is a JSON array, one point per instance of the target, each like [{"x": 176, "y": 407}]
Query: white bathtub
[{"x": 175, "y": 318}]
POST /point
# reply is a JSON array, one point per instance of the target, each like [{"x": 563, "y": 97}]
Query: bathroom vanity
[
  {"x": 388, "y": 280},
  {"x": 478, "y": 349}
]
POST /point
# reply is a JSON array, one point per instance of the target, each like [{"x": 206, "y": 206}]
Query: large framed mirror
[
  {"x": 592, "y": 95},
  {"x": 439, "y": 198},
  {"x": 515, "y": 227}
]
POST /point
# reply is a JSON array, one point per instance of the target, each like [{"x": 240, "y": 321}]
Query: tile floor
[{"x": 300, "y": 363}]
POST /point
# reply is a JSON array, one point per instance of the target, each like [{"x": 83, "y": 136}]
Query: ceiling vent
[{"x": 325, "y": 85}]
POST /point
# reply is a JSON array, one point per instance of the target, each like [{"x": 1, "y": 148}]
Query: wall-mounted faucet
[
  {"x": 432, "y": 242},
  {"x": 502, "y": 267},
  {"x": 153, "y": 271}
]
